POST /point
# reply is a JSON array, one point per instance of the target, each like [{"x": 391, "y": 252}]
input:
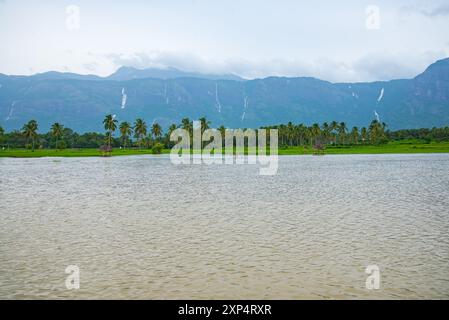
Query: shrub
[
  {"x": 61, "y": 145},
  {"x": 157, "y": 148}
]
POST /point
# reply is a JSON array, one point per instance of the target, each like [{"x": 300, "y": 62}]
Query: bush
[
  {"x": 157, "y": 148},
  {"x": 28, "y": 146},
  {"x": 61, "y": 145}
]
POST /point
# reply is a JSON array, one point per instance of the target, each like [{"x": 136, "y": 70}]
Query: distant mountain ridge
[
  {"x": 80, "y": 103},
  {"x": 130, "y": 73}
]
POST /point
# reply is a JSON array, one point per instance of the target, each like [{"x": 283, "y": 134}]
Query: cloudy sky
[{"x": 338, "y": 41}]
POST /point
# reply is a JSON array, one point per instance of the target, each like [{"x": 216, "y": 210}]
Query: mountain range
[{"x": 167, "y": 95}]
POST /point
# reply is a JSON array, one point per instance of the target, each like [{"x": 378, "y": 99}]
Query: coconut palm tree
[
  {"x": 125, "y": 132},
  {"x": 29, "y": 130},
  {"x": 186, "y": 124},
  {"x": 333, "y": 126},
  {"x": 355, "y": 135},
  {"x": 156, "y": 130},
  {"x": 2, "y": 132},
  {"x": 342, "y": 129},
  {"x": 290, "y": 131},
  {"x": 301, "y": 133},
  {"x": 307, "y": 135},
  {"x": 376, "y": 132},
  {"x": 222, "y": 130},
  {"x": 171, "y": 128},
  {"x": 57, "y": 131},
  {"x": 315, "y": 132},
  {"x": 146, "y": 141},
  {"x": 364, "y": 135},
  {"x": 110, "y": 125},
  {"x": 205, "y": 124},
  {"x": 282, "y": 129},
  {"x": 326, "y": 131},
  {"x": 140, "y": 130}
]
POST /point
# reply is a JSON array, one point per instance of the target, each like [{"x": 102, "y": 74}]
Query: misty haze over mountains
[{"x": 80, "y": 102}]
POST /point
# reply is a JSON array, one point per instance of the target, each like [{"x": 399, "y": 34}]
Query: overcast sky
[{"x": 333, "y": 40}]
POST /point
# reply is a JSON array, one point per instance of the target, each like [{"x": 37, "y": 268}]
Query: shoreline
[{"x": 395, "y": 148}]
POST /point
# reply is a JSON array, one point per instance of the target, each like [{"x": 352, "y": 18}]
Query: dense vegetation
[{"x": 141, "y": 136}]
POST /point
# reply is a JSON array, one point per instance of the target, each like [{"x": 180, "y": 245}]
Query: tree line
[
  {"x": 333, "y": 133},
  {"x": 141, "y": 135}
]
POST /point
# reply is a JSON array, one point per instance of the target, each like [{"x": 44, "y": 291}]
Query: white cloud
[
  {"x": 322, "y": 39},
  {"x": 432, "y": 12},
  {"x": 373, "y": 67}
]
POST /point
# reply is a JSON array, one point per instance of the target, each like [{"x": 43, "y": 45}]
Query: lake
[{"x": 139, "y": 227}]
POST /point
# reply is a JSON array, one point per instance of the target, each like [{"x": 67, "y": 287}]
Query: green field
[
  {"x": 85, "y": 152},
  {"x": 392, "y": 147}
]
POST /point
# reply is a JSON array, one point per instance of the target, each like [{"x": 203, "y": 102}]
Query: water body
[{"x": 139, "y": 227}]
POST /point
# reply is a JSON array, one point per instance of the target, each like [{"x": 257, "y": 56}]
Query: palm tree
[
  {"x": 355, "y": 135},
  {"x": 110, "y": 125},
  {"x": 333, "y": 126},
  {"x": 57, "y": 130},
  {"x": 29, "y": 130},
  {"x": 301, "y": 133},
  {"x": 125, "y": 132},
  {"x": 222, "y": 131},
  {"x": 308, "y": 135},
  {"x": 282, "y": 129},
  {"x": 376, "y": 132},
  {"x": 326, "y": 131},
  {"x": 146, "y": 141},
  {"x": 342, "y": 132},
  {"x": 171, "y": 128},
  {"x": 290, "y": 133},
  {"x": 140, "y": 130},
  {"x": 315, "y": 132},
  {"x": 205, "y": 124},
  {"x": 364, "y": 134},
  {"x": 156, "y": 130},
  {"x": 186, "y": 124}
]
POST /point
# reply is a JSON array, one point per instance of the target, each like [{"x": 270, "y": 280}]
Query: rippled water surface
[{"x": 140, "y": 227}]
